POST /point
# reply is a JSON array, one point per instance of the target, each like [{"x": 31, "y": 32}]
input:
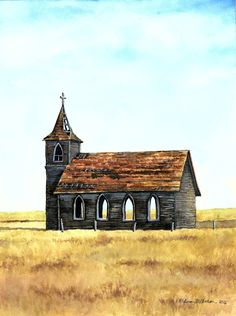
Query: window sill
[{"x": 102, "y": 219}]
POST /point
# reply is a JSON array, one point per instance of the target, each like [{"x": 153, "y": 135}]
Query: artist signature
[{"x": 200, "y": 301}]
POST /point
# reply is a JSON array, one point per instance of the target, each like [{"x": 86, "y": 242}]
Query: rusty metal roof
[
  {"x": 126, "y": 171},
  {"x": 62, "y": 129}
]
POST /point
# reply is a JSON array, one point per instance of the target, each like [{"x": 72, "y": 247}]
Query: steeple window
[{"x": 58, "y": 153}]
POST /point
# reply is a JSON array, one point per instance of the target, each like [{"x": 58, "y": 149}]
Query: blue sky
[{"x": 138, "y": 75}]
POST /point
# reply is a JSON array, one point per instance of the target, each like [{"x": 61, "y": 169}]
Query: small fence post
[
  {"x": 62, "y": 226},
  {"x": 214, "y": 224},
  {"x": 172, "y": 226},
  {"x": 135, "y": 226},
  {"x": 95, "y": 225}
]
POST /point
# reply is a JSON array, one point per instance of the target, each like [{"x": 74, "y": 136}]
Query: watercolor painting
[{"x": 118, "y": 186}]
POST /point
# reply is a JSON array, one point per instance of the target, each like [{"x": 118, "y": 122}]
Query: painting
[{"x": 118, "y": 180}]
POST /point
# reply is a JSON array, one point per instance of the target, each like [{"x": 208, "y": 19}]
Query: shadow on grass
[{"x": 22, "y": 221}]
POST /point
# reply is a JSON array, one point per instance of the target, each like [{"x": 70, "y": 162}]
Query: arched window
[
  {"x": 79, "y": 208},
  {"x": 128, "y": 209},
  {"x": 102, "y": 208},
  {"x": 153, "y": 208},
  {"x": 58, "y": 153}
]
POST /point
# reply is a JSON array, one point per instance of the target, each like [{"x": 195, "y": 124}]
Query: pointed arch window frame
[
  {"x": 158, "y": 208},
  {"x": 98, "y": 218},
  {"x": 128, "y": 196},
  {"x": 82, "y": 208},
  {"x": 54, "y": 153}
]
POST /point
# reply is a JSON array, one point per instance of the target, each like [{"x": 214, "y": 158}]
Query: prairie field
[
  {"x": 120, "y": 273},
  {"x": 216, "y": 214}
]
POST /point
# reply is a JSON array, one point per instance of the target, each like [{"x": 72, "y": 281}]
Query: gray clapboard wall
[
  {"x": 115, "y": 214},
  {"x": 54, "y": 171},
  {"x": 185, "y": 202}
]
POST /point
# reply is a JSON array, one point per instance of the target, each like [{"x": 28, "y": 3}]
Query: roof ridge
[{"x": 134, "y": 152}]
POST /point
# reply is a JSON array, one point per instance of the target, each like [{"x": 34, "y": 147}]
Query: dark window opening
[
  {"x": 58, "y": 153},
  {"x": 78, "y": 208}
]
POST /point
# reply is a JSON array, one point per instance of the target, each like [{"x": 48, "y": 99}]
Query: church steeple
[
  {"x": 62, "y": 129},
  {"x": 61, "y": 146}
]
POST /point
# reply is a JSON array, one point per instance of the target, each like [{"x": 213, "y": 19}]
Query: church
[{"x": 116, "y": 190}]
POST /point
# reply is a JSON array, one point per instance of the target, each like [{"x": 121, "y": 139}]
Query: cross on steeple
[
  {"x": 62, "y": 130},
  {"x": 66, "y": 125},
  {"x": 62, "y": 98}
]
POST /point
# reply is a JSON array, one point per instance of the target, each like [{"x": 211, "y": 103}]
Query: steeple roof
[{"x": 62, "y": 129}]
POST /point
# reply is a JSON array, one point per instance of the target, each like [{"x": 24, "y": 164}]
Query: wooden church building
[{"x": 116, "y": 190}]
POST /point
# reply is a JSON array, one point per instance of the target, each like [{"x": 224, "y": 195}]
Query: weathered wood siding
[
  {"x": 185, "y": 202},
  {"x": 54, "y": 171},
  {"x": 53, "y": 175},
  {"x": 70, "y": 150},
  {"x": 115, "y": 214}
]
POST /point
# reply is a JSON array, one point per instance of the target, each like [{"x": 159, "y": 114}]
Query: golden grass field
[
  {"x": 216, "y": 214},
  {"x": 184, "y": 272}
]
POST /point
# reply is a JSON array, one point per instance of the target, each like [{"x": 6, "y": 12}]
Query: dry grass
[
  {"x": 22, "y": 216},
  {"x": 117, "y": 273},
  {"x": 216, "y": 214}
]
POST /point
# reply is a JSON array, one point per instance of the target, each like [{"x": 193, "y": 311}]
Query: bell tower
[{"x": 61, "y": 146}]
